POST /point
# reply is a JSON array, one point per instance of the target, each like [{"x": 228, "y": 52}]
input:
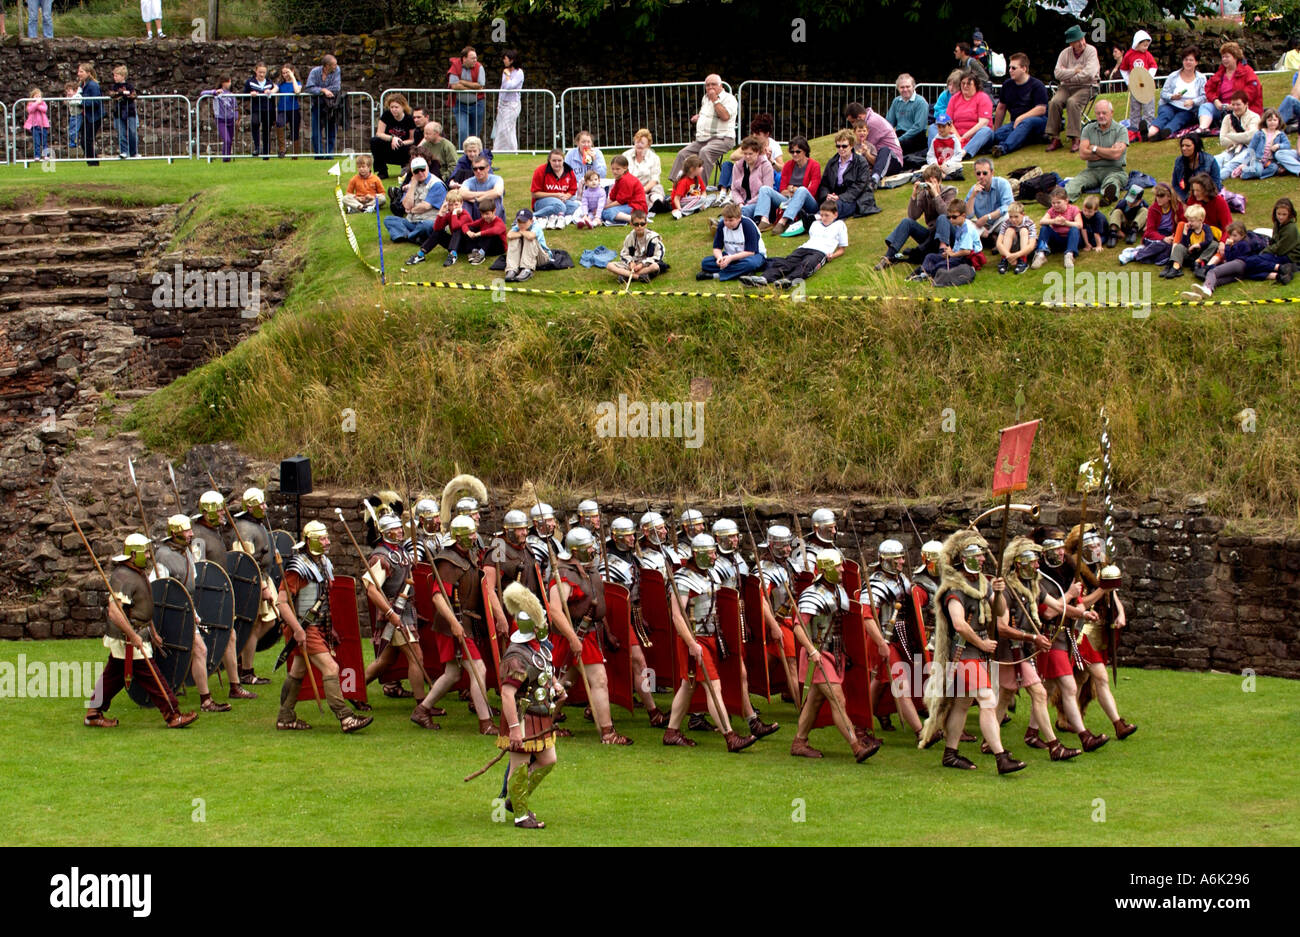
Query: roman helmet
[
  {"x": 179, "y": 529},
  {"x": 930, "y": 553},
  {"x": 254, "y": 503},
  {"x": 210, "y": 508},
  {"x": 589, "y": 514},
  {"x": 514, "y": 528},
  {"x": 823, "y": 521},
  {"x": 653, "y": 527},
  {"x": 462, "y": 531},
  {"x": 135, "y": 550},
  {"x": 523, "y": 606},
  {"x": 1053, "y": 551},
  {"x": 315, "y": 537},
  {"x": 623, "y": 532},
  {"x": 426, "y": 511},
  {"x": 972, "y": 559},
  {"x": 727, "y": 534},
  {"x": 1094, "y": 548},
  {"x": 1110, "y": 576},
  {"x": 704, "y": 550},
  {"x": 892, "y": 557},
  {"x": 391, "y": 530},
  {"x": 469, "y": 507},
  {"x": 692, "y": 522},
  {"x": 830, "y": 565},
  {"x": 581, "y": 544},
  {"x": 779, "y": 541},
  {"x": 543, "y": 517},
  {"x": 1026, "y": 561}
]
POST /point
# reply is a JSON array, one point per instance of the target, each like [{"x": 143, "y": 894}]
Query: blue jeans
[
  {"x": 1049, "y": 240},
  {"x": 74, "y": 131},
  {"x": 804, "y": 201},
  {"x": 738, "y": 268},
  {"x": 768, "y": 200},
  {"x": 980, "y": 139},
  {"x": 469, "y": 119},
  {"x": 1289, "y": 109},
  {"x": 1213, "y": 111},
  {"x": 320, "y": 114},
  {"x": 924, "y": 237},
  {"x": 1173, "y": 119},
  {"x": 411, "y": 230},
  {"x": 1013, "y": 138},
  {"x": 612, "y": 210},
  {"x": 35, "y": 10},
  {"x": 724, "y": 174},
  {"x": 550, "y": 205},
  {"x": 40, "y": 140},
  {"x": 747, "y": 211},
  {"x": 128, "y": 143}
]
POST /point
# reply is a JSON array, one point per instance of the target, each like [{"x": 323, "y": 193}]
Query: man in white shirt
[
  {"x": 827, "y": 239},
  {"x": 715, "y": 129}
]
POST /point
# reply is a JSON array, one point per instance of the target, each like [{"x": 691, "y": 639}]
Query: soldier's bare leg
[{"x": 1101, "y": 689}]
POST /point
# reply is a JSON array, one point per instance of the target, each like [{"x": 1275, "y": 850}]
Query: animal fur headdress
[
  {"x": 1028, "y": 592},
  {"x": 457, "y": 488}
]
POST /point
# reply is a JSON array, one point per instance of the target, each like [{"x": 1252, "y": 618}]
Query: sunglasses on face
[
  {"x": 638, "y": 224},
  {"x": 480, "y": 169},
  {"x": 978, "y": 173},
  {"x": 842, "y": 146}
]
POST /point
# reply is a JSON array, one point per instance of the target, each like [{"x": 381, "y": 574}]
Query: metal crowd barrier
[
  {"x": 4, "y": 129},
  {"x": 163, "y": 129},
  {"x": 224, "y": 125},
  {"x": 535, "y": 130},
  {"x": 613, "y": 113}
]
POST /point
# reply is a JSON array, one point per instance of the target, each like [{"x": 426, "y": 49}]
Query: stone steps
[
  {"x": 88, "y": 296},
  {"x": 81, "y": 220},
  {"x": 69, "y": 246}
]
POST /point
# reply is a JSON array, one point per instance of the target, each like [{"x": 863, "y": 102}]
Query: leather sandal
[
  {"x": 966, "y": 736},
  {"x": 210, "y": 705},
  {"x": 180, "y": 720},
  {"x": 1092, "y": 742},
  {"x": 1124, "y": 729},
  {"x": 296, "y": 724},
  {"x": 953, "y": 760},
  {"x": 984, "y": 748},
  {"x": 658, "y": 719},
  {"x": 609, "y": 737},
  {"x": 1061, "y": 753},
  {"x": 675, "y": 737},
  {"x": 802, "y": 749},
  {"x": 1007, "y": 764},
  {"x": 355, "y": 723},
  {"x": 886, "y": 723},
  {"x": 99, "y": 721},
  {"x": 760, "y": 729},
  {"x": 423, "y": 718},
  {"x": 487, "y": 727},
  {"x": 737, "y": 744},
  {"x": 930, "y": 744},
  {"x": 251, "y": 678},
  {"x": 237, "y": 691},
  {"x": 362, "y": 706},
  {"x": 698, "y": 722},
  {"x": 397, "y": 691},
  {"x": 529, "y": 822},
  {"x": 563, "y": 733},
  {"x": 1033, "y": 741}
]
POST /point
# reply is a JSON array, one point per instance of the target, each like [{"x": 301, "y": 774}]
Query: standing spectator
[
  {"x": 467, "y": 76},
  {"x": 584, "y": 155},
  {"x": 1077, "y": 70},
  {"x": 124, "y": 115},
  {"x": 642, "y": 255},
  {"x": 625, "y": 196},
  {"x": 464, "y": 169},
  {"x": 1233, "y": 75},
  {"x": 288, "y": 113},
  {"x": 880, "y": 134},
  {"x": 737, "y": 248},
  {"x": 1235, "y": 133},
  {"x": 554, "y": 190},
  {"x": 907, "y": 114},
  {"x": 643, "y": 162},
  {"x": 325, "y": 85},
  {"x": 751, "y": 174},
  {"x": 444, "y": 152},
  {"x": 92, "y": 110},
  {"x": 39, "y": 11},
  {"x": 1024, "y": 100},
  {"x": 800, "y": 171},
  {"x": 504, "y": 139},
  {"x": 38, "y": 122},
  {"x": 486, "y": 188},
  {"x": 423, "y": 197},
  {"x": 715, "y": 128},
  {"x": 151, "y": 13},
  {"x": 1180, "y": 98},
  {"x": 225, "y": 110},
  {"x": 261, "y": 93},
  {"x": 394, "y": 137},
  {"x": 926, "y": 221},
  {"x": 972, "y": 115},
  {"x": 988, "y": 201},
  {"x": 1103, "y": 151},
  {"x": 365, "y": 191},
  {"x": 1192, "y": 160},
  {"x": 967, "y": 63},
  {"x": 72, "y": 92},
  {"x": 1139, "y": 54}
]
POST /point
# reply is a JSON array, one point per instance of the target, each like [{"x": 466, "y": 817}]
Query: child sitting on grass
[
  {"x": 591, "y": 201},
  {"x": 1094, "y": 224},
  {"x": 1128, "y": 218},
  {"x": 1059, "y": 228},
  {"x": 1016, "y": 240},
  {"x": 1192, "y": 238},
  {"x": 1245, "y": 257},
  {"x": 967, "y": 247},
  {"x": 449, "y": 227},
  {"x": 525, "y": 247},
  {"x": 365, "y": 190},
  {"x": 642, "y": 256},
  {"x": 690, "y": 192}
]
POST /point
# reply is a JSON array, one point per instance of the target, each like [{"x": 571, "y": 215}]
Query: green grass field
[{"x": 1208, "y": 766}]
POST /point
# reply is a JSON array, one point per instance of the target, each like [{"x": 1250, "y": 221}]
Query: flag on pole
[
  {"x": 1011, "y": 473},
  {"x": 334, "y": 170}
]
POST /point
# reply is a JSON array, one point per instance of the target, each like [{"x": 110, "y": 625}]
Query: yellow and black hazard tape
[{"x": 500, "y": 286}]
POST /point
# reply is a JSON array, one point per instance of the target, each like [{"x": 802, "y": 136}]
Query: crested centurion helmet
[
  {"x": 580, "y": 543},
  {"x": 972, "y": 558},
  {"x": 210, "y": 507},
  {"x": 136, "y": 548},
  {"x": 823, "y": 521},
  {"x": 779, "y": 541},
  {"x": 703, "y": 550},
  {"x": 315, "y": 537},
  {"x": 462, "y": 531},
  {"x": 892, "y": 556},
  {"x": 727, "y": 534},
  {"x": 390, "y": 528},
  {"x": 652, "y": 525},
  {"x": 255, "y": 502},
  {"x": 179, "y": 528},
  {"x": 830, "y": 564}
]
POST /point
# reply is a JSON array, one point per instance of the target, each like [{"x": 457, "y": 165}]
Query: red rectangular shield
[
  {"x": 661, "y": 657},
  {"x": 802, "y": 580},
  {"x": 729, "y": 668},
  {"x": 852, "y": 578},
  {"x": 422, "y": 575},
  {"x": 857, "y": 675},
  {"x": 618, "y": 664},
  {"x": 756, "y": 661},
  {"x": 352, "y": 667},
  {"x": 1011, "y": 471}
]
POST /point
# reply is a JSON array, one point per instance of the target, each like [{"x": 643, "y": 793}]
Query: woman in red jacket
[
  {"x": 1233, "y": 75},
  {"x": 1204, "y": 193},
  {"x": 800, "y": 171},
  {"x": 555, "y": 191}
]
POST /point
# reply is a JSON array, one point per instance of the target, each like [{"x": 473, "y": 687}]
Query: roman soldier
[
  {"x": 892, "y": 625},
  {"x": 253, "y": 529},
  {"x": 576, "y": 585},
  {"x": 624, "y": 564},
  {"x": 927, "y": 577},
  {"x": 695, "y": 616},
  {"x": 692, "y": 525},
  {"x": 544, "y": 524},
  {"x": 1022, "y": 639},
  {"x": 589, "y": 517},
  {"x": 823, "y": 537},
  {"x": 207, "y": 531},
  {"x": 390, "y": 588},
  {"x": 177, "y": 555},
  {"x": 508, "y": 560},
  {"x": 778, "y": 578},
  {"x": 130, "y": 609},
  {"x": 655, "y": 552},
  {"x": 459, "y": 570},
  {"x": 823, "y": 608},
  {"x": 969, "y": 608},
  {"x": 726, "y": 571},
  {"x": 429, "y": 539},
  {"x": 304, "y": 606},
  {"x": 529, "y": 697}
]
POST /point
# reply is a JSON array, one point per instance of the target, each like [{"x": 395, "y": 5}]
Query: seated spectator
[
  {"x": 444, "y": 153},
  {"x": 365, "y": 191},
  {"x": 1290, "y": 62},
  {"x": 715, "y": 128},
  {"x": 966, "y": 247},
  {"x": 1017, "y": 240},
  {"x": 485, "y": 235},
  {"x": 988, "y": 200},
  {"x": 1180, "y": 98},
  {"x": 1077, "y": 70},
  {"x": 486, "y": 188},
  {"x": 761, "y": 128},
  {"x": 908, "y": 115},
  {"x": 525, "y": 247},
  {"x": 1233, "y": 75},
  {"x": 737, "y": 248},
  {"x": 828, "y": 238},
  {"x": 423, "y": 196},
  {"x": 1289, "y": 109},
  {"x": 1191, "y": 161},
  {"x": 1193, "y": 238},
  {"x": 926, "y": 221},
  {"x": 1270, "y": 150},
  {"x": 1024, "y": 101},
  {"x": 625, "y": 195},
  {"x": 972, "y": 116},
  {"x": 752, "y": 174},
  {"x": 1102, "y": 150},
  {"x": 642, "y": 255},
  {"x": 1163, "y": 218},
  {"x": 591, "y": 202},
  {"x": 690, "y": 194},
  {"x": 1129, "y": 217},
  {"x": 967, "y": 63},
  {"x": 584, "y": 155},
  {"x": 555, "y": 192},
  {"x": 464, "y": 168},
  {"x": 447, "y": 231},
  {"x": 874, "y": 129},
  {"x": 1139, "y": 54},
  {"x": 1094, "y": 233},
  {"x": 394, "y": 137},
  {"x": 941, "y": 104},
  {"x": 945, "y": 149},
  {"x": 843, "y": 184},
  {"x": 799, "y": 171},
  {"x": 1059, "y": 229},
  {"x": 643, "y": 163},
  {"x": 1246, "y": 257},
  {"x": 1235, "y": 133},
  {"x": 1203, "y": 193}
]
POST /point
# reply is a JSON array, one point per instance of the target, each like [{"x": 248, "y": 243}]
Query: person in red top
[
  {"x": 1233, "y": 75},
  {"x": 554, "y": 188},
  {"x": 972, "y": 115},
  {"x": 625, "y": 194},
  {"x": 449, "y": 227},
  {"x": 1204, "y": 193},
  {"x": 800, "y": 171},
  {"x": 487, "y": 234}
]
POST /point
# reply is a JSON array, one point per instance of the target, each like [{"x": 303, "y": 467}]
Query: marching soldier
[
  {"x": 391, "y": 590},
  {"x": 252, "y": 528},
  {"x": 508, "y": 560},
  {"x": 178, "y": 555},
  {"x": 968, "y": 606},
  {"x": 823, "y": 537},
  {"x": 695, "y": 616},
  {"x": 655, "y": 552},
  {"x": 819, "y": 629},
  {"x": 543, "y": 518},
  {"x": 927, "y": 577},
  {"x": 622, "y": 553},
  {"x": 778, "y": 578},
  {"x": 304, "y": 608},
  {"x": 726, "y": 571},
  {"x": 888, "y": 593},
  {"x": 469, "y": 507},
  {"x": 576, "y": 585},
  {"x": 130, "y": 606},
  {"x": 692, "y": 525},
  {"x": 207, "y": 531},
  {"x": 428, "y": 532}
]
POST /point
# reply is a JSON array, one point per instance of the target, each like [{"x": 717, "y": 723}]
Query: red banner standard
[
  {"x": 660, "y": 657},
  {"x": 1011, "y": 473},
  {"x": 618, "y": 664},
  {"x": 347, "y": 623},
  {"x": 857, "y": 673},
  {"x": 762, "y": 679}
]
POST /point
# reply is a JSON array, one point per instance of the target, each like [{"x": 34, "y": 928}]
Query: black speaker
[{"x": 295, "y": 475}]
